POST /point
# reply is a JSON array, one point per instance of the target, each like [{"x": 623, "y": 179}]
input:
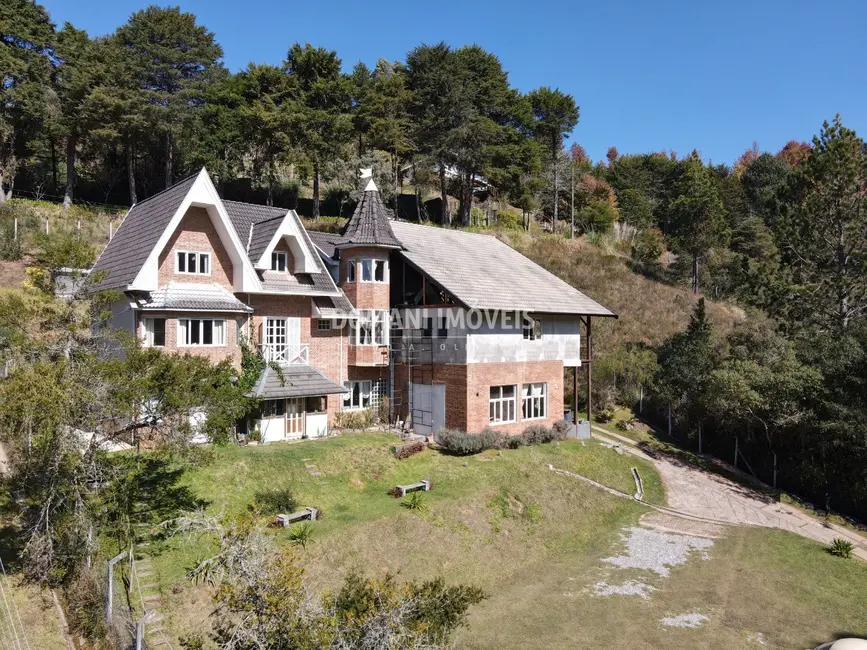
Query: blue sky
[{"x": 668, "y": 74}]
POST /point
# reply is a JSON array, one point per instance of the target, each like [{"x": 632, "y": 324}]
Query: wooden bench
[
  {"x": 423, "y": 484},
  {"x": 307, "y": 513}
]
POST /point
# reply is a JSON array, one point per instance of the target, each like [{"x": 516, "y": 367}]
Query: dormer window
[
  {"x": 278, "y": 261},
  {"x": 193, "y": 263}
]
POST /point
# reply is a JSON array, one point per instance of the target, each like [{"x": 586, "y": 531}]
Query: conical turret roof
[{"x": 369, "y": 225}]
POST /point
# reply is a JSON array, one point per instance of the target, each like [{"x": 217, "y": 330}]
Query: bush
[
  {"x": 415, "y": 502},
  {"x": 275, "y": 501},
  {"x": 537, "y": 435},
  {"x": 354, "y": 420},
  {"x": 87, "y": 614},
  {"x": 605, "y": 415},
  {"x": 301, "y": 535},
  {"x": 841, "y": 548},
  {"x": 10, "y": 246},
  {"x": 648, "y": 247},
  {"x": 561, "y": 427},
  {"x": 461, "y": 443},
  {"x": 409, "y": 449}
]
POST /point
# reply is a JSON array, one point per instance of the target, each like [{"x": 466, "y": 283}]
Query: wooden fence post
[
  {"x": 15, "y": 228},
  {"x": 46, "y": 225}
]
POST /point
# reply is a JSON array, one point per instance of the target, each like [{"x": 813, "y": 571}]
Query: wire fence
[{"x": 12, "y": 629}]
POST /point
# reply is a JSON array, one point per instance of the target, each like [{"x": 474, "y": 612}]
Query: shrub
[
  {"x": 841, "y": 548},
  {"x": 561, "y": 427},
  {"x": 354, "y": 420},
  {"x": 301, "y": 535},
  {"x": 605, "y": 415},
  {"x": 275, "y": 501},
  {"x": 409, "y": 449},
  {"x": 415, "y": 502},
  {"x": 87, "y": 616},
  {"x": 461, "y": 443},
  {"x": 537, "y": 435},
  {"x": 10, "y": 246}
]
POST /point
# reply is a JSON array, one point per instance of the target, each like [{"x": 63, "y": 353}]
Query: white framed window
[
  {"x": 272, "y": 408},
  {"x": 155, "y": 332},
  {"x": 533, "y": 330},
  {"x": 193, "y": 263},
  {"x": 201, "y": 332},
  {"x": 323, "y": 325},
  {"x": 534, "y": 401},
  {"x": 279, "y": 261},
  {"x": 501, "y": 404},
  {"x": 371, "y": 270},
  {"x": 371, "y": 328},
  {"x": 350, "y": 271},
  {"x": 358, "y": 396}
]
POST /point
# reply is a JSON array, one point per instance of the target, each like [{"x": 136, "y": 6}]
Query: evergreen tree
[
  {"x": 26, "y": 38},
  {"x": 171, "y": 60},
  {"x": 319, "y": 113},
  {"x": 824, "y": 230},
  {"x": 556, "y": 115},
  {"x": 697, "y": 215}
]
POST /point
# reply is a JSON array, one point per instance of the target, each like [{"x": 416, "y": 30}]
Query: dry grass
[{"x": 649, "y": 311}]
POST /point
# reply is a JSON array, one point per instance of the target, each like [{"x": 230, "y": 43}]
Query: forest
[{"x": 780, "y": 235}]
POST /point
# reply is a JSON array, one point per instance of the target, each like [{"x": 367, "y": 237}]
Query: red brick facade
[
  {"x": 214, "y": 353},
  {"x": 364, "y": 295},
  {"x": 196, "y": 233}
]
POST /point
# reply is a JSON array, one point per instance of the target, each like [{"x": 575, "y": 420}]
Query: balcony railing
[{"x": 284, "y": 353}]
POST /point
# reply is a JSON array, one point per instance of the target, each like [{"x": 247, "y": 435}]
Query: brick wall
[
  {"x": 196, "y": 233},
  {"x": 324, "y": 345},
  {"x": 364, "y": 295},
  {"x": 215, "y": 354},
  {"x": 368, "y": 355},
  {"x": 481, "y": 376}
]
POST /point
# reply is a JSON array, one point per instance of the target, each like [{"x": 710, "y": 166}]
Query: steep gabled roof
[
  {"x": 244, "y": 215},
  {"x": 486, "y": 274},
  {"x": 261, "y": 234},
  {"x": 137, "y": 235},
  {"x": 369, "y": 225}
]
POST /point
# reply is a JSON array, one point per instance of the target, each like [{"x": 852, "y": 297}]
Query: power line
[{"x": 15, "y": 606}]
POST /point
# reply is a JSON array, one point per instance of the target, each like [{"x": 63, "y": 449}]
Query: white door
[
  {"x": 275, "y": 339},
  {"x": 294, "y": 417}
]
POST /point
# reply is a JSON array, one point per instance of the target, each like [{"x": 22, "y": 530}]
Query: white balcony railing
[{"x": 284, "y": 353}]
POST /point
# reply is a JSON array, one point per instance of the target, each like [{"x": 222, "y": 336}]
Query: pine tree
[{"x": 319, "y": 113}]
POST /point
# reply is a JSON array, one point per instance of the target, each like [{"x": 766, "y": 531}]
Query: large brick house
[{"x": 426, "y": 326}]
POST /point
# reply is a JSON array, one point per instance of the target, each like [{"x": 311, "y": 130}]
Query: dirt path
[{"x": 704, "y": 494}]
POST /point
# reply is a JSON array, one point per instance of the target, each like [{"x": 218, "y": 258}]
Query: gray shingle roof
[
  {"x": 369, "y": 224},
  {"x": 325, "y": 241},
  {"x": 333, "y": 307},
  {"x": 194, "y": 297},
  {"x": 244, "y": 215},
  {"x": 298, "y": 282},
  {"x": 262, "y": 234},
  {"x": 298, "y": 381},
  {"x": 484, "y": 273},
  {"x": 136, "y": 237}
]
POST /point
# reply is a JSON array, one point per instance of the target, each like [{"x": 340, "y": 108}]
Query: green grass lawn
[{"x": 533, "y": 539}]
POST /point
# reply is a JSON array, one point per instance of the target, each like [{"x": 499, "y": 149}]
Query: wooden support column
[{"x": 589, "y": 372}]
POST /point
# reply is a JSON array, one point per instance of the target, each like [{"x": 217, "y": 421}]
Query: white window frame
[
  {"x": 149, "y": 331},
  {"x": 350, "y": 271},
  {"x": 501, "y": 409},
  {"x": 199, "y": 256},
  {"x": 275, "y": 257},
  {"x": 368, "y": 265},
  {"x": 377, "y": 322},
  {"x": 218, "y": 333},
  {"x": 534, "y": 398},
  {"x": 534, "y": 331},
  {"x": 363, "y": 401}
]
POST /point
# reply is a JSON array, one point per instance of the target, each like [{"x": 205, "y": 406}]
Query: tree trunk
[
  {"x": 396, "y": 170},
  {"x": 467, "y": 202},
  {"x": 2, "y": 191},
  {"x": 316, "y": 190},
  {"x": 169, "y": 160},
  {"x": 445, "y": 217},
  {"x": 70, "y": 170},
  {"x": 130, "y": 171},
  {"x": 695, "y": 273},
  {"x": 418, "y": 213},
  {"x": 556, "y": 193},
  {"x": 270, "y": 199},
  {"x": 53, "y": 167}
]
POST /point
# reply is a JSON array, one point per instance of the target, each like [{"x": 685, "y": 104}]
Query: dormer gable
[{"x": 267, "y": 236}]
